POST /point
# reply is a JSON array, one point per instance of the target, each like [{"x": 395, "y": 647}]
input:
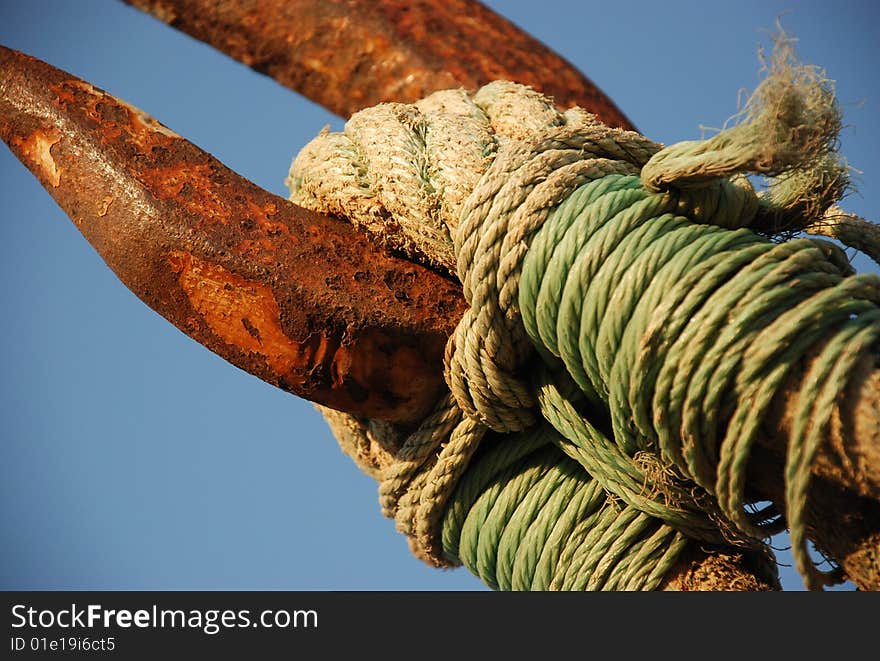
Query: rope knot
[{"x": 626, "y": 332}]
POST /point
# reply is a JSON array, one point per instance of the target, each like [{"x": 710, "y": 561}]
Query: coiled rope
[{"x": 630, "y": 322}]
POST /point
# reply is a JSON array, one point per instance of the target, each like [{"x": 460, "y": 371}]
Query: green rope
[
  {"x": 695, "y": 332},
  {"x": 529, "y": 518},
  {"x": 627, "y": 333}
]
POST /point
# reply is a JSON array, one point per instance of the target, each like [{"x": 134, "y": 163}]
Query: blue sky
[{"x": 131, "y": 456}]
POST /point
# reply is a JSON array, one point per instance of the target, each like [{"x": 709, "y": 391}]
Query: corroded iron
[
  {"x": 210, "y": 252},
  {"x": 300, "y": 300},
  {"x": 347, "y": 55}
]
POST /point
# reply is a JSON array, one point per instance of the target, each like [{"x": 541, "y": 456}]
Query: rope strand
[{"x": 627, "y": 332}]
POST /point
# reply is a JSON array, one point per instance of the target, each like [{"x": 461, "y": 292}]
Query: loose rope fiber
[{"x": 632, "y": 317}]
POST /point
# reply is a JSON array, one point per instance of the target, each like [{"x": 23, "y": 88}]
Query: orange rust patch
[
  {"x": 258, "y": 251},
  {"x": 62, "y": 91},
  {"x": 38, "y": 150},
  {"x": 142, "y": 121},
  {"x": 138, "y": 126},
  {"x": 245, "y": 315},
  {"x": 263, "y": 215},
  {"x": 191, "y": 187},
  {"x": 105, "y": 204},
  {"x": 168, "y": 182}
]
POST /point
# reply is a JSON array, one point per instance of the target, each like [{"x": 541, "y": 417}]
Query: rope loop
[{"x": 630, "y": 325}]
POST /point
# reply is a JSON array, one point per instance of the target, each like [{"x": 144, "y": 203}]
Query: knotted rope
[{"x": 630, "y": 322}]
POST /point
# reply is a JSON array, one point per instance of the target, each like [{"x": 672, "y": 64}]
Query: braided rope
[{"x": 664, "y": 327}]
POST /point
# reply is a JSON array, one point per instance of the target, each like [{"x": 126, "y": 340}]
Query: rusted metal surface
[
  {"x": 300, "y": 300},
  {"x": 292, "y": 297},
  {"x": 347, "y": 55}
]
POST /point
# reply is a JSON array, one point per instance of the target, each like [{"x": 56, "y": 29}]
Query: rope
[{"x": 630, "y": 323}]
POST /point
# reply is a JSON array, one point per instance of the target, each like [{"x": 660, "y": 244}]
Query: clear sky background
[{"x": 133, "y": 458}]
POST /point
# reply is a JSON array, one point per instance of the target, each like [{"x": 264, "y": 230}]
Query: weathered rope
[{"x": 626, "y": 333}]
